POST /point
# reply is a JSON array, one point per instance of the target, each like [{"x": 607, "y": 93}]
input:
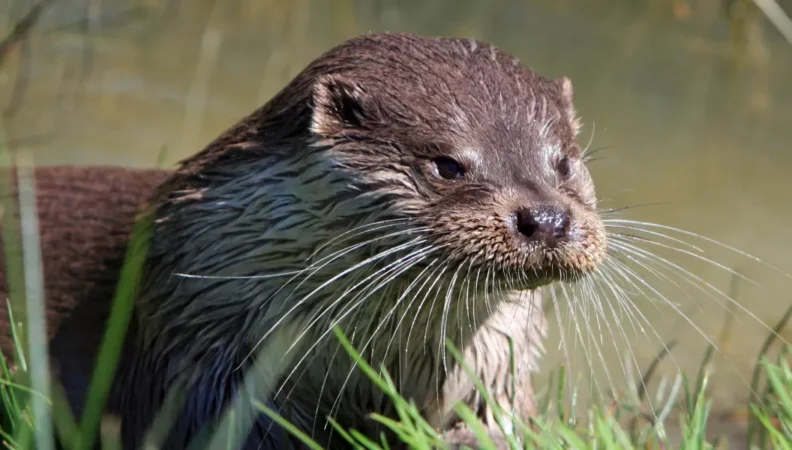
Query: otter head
[
  {"x": 449, "y": 144},
  {"x": 470, "y": 146}
]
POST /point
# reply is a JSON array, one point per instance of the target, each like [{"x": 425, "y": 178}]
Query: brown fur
[{"x": 85, "y": 215}]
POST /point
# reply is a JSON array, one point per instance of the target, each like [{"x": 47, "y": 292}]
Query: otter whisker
[
  {"x": 578, "y": 336},
  {"x": 628, "y": 274},
  {"x": 609, "y": 227},
  {"x": 619, "y": 268},
  {"x": 458, "y": 294},
  {"x": 429, "y": 277},
  {"x": 429, "y": 289},
  {"x": 338, "y": 349},
  {"x": 589, "y": 155},
  {"x": 373, "y": 334},
  {"x": 625, "y": 249},
  {"x": 444, "y": 319},
  {"x": 564, "y": 344},
  {"x": 627, "y": 306},
  {"x": 584, "y": 154},
  {"x": 467, "y": 282},
  {"x": 406, "y": 292},
  {"x": 623, "y": 302},
  {"x": 685, "y": 318},
  {"x": 240, "y": 277},
  {"x": 597, "y": 306},
  {"x": 358, "y": 231},
  {"x": 599, "y": 311},
  {"x": 294, "y": 273},
  {"x": 434, "y": 300},
  {"x": 669, "y": 303},
  {"x": 400, "y": 265},
  {"x": 488, "y": 279},
  {"x": 476, "y": 294},
  {"x": 304, "y": 299},
  {"x": 547, "y": 125},
  {"x": 426, "y": 340},
  {"x": 592, "y": 341},
  {"x": 621, "y": 297},
  {"x": 612, "y": 211},
  {"x": 325, "y": 261},
  {"x": 396, "y": 274},
  {"x": 699, "y": 257},
  {"x": 690, "y": 277},
  {"x": 704, "y": 238},
  {"x": 306, "y": 365}
]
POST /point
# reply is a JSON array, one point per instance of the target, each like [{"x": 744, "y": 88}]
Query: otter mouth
[
  {"x": 534, "y": 278},
  {"x": 522, "y": 248},
  {"x": 535, "y": 267},
  {"x": 551, "y": 275}
]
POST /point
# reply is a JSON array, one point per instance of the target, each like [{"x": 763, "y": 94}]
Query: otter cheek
[{"x": 587, "y": 244}]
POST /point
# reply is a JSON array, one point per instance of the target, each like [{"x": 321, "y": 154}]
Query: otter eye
[
  {"x": 564, "y": 167},
  {"x": 449, "y": 168}
]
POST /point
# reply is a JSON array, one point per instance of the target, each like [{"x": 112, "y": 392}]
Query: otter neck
[{"x": 263, "y": 238}]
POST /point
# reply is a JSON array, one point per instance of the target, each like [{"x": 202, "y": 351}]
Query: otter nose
[{"x": 549, "y": 225}]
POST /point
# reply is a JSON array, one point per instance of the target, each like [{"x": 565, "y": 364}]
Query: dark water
[{"x": 695, "y": 112}]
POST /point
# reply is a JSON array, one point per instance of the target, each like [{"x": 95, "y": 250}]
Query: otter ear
[
  {"x": 565, "y": 87},
  {"x": 339, "y": 104}
]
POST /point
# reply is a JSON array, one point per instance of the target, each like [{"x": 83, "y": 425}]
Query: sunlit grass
[{"x": 603, "y": 427}]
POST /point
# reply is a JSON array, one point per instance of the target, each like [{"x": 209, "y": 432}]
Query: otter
[{"x": 406, "y": 190}]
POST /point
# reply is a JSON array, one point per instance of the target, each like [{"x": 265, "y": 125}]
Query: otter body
[{"x": 406, "y": 189}]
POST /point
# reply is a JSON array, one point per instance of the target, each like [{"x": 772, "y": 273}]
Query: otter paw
[{"x": 460, "y": 437}]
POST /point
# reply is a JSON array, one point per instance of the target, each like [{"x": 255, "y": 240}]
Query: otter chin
[{"x": 405, "y": 189}]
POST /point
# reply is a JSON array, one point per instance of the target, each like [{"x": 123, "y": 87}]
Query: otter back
[{"x": 85, "y": 217}]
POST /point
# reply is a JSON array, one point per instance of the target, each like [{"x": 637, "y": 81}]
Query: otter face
[{"x": 467, "y": 143}]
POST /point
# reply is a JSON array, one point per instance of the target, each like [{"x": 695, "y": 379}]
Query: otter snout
[{"x": 548, "y": 225}]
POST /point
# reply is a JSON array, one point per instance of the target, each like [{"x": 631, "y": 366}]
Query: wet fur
[
  {"x": 348, "y": 142},
  {"x": 85, "y": 216}
]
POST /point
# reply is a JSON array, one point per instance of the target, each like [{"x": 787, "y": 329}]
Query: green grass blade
[
  {"x": 757, "y": 372},
  {"x": 34, "y": 296},
  {"x": 113, "y": 341},
  {"x": 469, "y": 417},
  {"x": 272, "y": 414},
  {"x": 344, "y": 433}
]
